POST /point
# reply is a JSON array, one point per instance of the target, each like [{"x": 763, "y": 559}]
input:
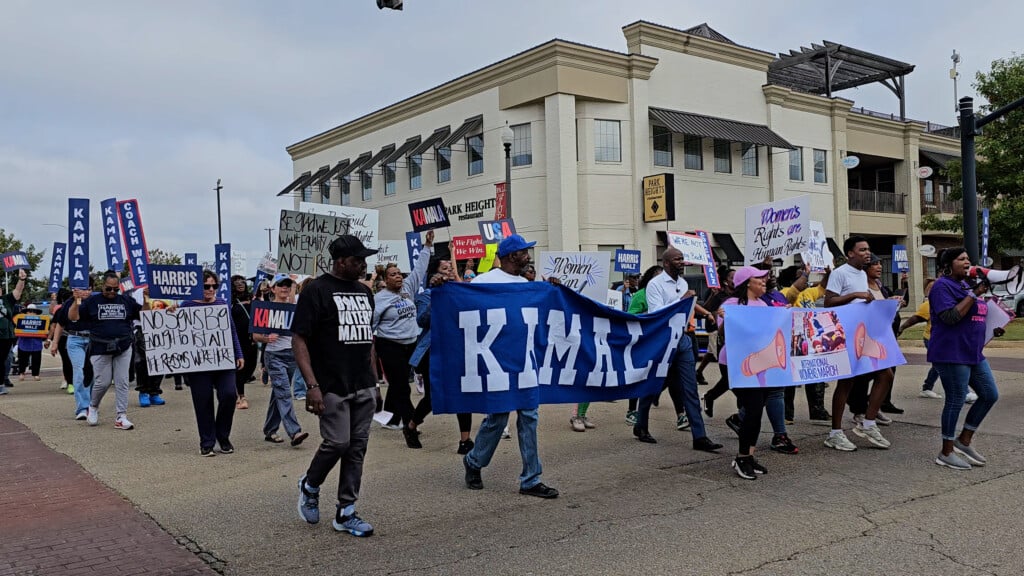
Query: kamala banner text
[
  {"x": 112, "y": 246},
  {"x": 57, "y": 266},
  {"x": 792, "y": 346},
  {"x": 222, "y": 256},
  {"x": 502, "y": 347},
  {"x": 78, "y": 243}
]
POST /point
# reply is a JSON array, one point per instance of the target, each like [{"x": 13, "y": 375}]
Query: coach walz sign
[{"x": 470, "y": 210}]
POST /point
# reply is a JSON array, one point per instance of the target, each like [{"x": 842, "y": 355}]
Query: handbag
[{"x": 109, "y": 346}]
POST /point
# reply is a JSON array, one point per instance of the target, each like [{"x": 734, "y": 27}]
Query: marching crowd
[{"x": 348, "y": 331}]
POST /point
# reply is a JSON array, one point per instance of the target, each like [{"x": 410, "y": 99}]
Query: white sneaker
[
  {"x": 971, "y": 397},
  {"x": 505, "y": 433},
  {"x": 62, "y": 386},
  {"x": 930, "y": 394},
  {"x": 82, "y": 415},
  {"x": 858, "y": 419},
  {"x": 882, "y": 419},
  {"x": 123, "y": 423},
  {"x": 872, "y": 435},
  {"x": 577, "y": 424},
  {"x": 840, "y": 442},
  {"x": 92, "y": 416}
]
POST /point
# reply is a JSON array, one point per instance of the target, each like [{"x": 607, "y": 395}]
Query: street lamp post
[
  {"x": 507, "y": 136},
  {"x": 220, "y": 237},
  {"x": 269, "y": 247}
]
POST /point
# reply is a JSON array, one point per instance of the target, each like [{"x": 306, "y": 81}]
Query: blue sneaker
[
  {"x": 309, "y": 502},
  {"x": 143, "y": 400},
  {"x": 351, "y": 523},
  {"x": 156, "y": 400}
]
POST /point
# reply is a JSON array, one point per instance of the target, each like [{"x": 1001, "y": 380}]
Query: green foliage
[
  {"x": 158, "y": 256},
  {"x": 35, "y": 287}
]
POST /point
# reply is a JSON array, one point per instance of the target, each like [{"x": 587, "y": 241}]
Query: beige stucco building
[{"x": 734, "y": 126}]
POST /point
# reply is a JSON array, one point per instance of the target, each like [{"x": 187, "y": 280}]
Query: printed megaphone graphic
[
  {"x": 865, "y": 345},
  {"x": 1012, "y": 278},
  {"x": 771, "y": 356}
]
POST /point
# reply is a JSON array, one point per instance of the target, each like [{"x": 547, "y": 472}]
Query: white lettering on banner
[
  {"x": 604, "y": 373},
  {"x": 79, "y": 213},
  {"x": 469, "y": 323},
  {"x": 634, "y": 374},
  {"x": 562, "y": 345},
  {"x": 528, "y": 378}
]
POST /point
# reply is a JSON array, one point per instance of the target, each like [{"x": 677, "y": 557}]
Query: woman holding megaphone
[{"x": 958, "y": 337}]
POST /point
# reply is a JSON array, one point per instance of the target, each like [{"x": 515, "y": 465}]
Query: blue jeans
[
  {"x": 683, "y": 375},
  {"x": 77, "y": 347},
  {"x": 933, "y": 374},
  {"x": 955, "y": 380},
  {"x": 281, "y": 366},
  {"x": 299, "y": 384},
  {"x": 489, "y": 435},
  {"x": 775, "y": 407}
]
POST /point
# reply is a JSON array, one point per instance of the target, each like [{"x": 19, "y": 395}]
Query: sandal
[
  {"x": 242, "y": 403},
  {"x": 273, "y": 438},
  {"x": 298, "y": 438}
]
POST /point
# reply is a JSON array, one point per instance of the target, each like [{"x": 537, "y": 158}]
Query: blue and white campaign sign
[
  {"x": 790, "y": 346},
  {"x": 175, "y": 282},
  {"x": 78, "y": 243},
  {"x": 494, "y": 231},
  {"x": 503, "y": 347},
  {"x": 711, "y": 270},
  {"x": 112, "y": 246},
  {"x": 900, "y": 260},
  {"x": 135, "y": 241},
  {"x": 16, "y": 260},
  {"x": 777, "y": 229},
  {"x": 984, "y": 237},
  {"x": 271, "y": 317},
  {"x": 191, "y": 259},
  {"x": 694, "y": 248},
  {"x": 627, "y": 261},
  {"x": 222, "y": 263},
  {"x": 413, "y": 244},
  {"x": 57, "y": 260}
]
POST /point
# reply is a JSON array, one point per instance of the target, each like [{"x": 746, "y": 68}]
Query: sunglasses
[
  {"x": 210, "y": 286},
  {"x": 110, "y": 288}
]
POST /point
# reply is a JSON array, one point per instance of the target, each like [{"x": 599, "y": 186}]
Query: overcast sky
[{"x": 157, "y": 100}]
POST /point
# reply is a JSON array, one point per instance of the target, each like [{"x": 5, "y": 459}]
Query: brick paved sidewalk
[{"x": 55, "y": 518}]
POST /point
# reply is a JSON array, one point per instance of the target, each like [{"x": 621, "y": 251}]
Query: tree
[
  {"x": 158, "y": 256},
  {"x": 1000, "y": 163},
  {"x": 35, "y": 287}
]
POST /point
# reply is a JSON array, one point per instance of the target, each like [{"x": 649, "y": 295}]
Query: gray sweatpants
[
  {"x": 345, "y": 428},
  {"x": 107, "y": 367}
]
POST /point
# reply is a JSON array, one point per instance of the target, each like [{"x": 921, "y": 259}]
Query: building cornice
[
  {"x": 793, "y": 100},
  {"x": 940, "y": 143},
  {"x": 643, "y": 33},
  {"x": 555, "y": 53}
]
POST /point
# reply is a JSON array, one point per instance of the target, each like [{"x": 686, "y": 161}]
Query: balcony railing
[
  {"x": 930, "y": 127},
  {"x": 941, "y": 204},
  {"x": 875, "y": 201}
]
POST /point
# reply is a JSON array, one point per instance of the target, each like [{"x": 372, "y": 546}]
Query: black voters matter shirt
[
  {"x": 334, "y": 316},
  {"x": 109, "y": 318}
]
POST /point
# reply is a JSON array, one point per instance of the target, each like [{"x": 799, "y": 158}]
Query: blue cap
[
  {"x": 278, "y": 278},
  {"x": 513, "y": 243}
]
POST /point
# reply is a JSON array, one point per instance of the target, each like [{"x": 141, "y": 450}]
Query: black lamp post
[{"x": 507, "y": 136}]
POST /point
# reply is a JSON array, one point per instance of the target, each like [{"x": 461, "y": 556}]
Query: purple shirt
[
  {"x": 732, "y": 302},
  {"x": 959, "y": 343}
]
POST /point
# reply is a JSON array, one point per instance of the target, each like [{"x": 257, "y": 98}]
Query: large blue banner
[
  {"x": 222, "y": 263},
  {"x": 78, "y": 243},
  {"x": 57, "y": 266},
  {"x": 112, "y": 246},
  {"x": 135, "y": 241},
  {"x": 503, "y": 347},
  {"x": 791, "y": 346}
]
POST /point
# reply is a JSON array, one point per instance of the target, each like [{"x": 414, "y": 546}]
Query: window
[
  {"x": 389, "y": 179},
  {"x": 475, "y": 149},
  {"x": 444, "y": 164},
  {"x": 325, "y": 188},
  {"x": 307, "y": 191},
  {"x": 416, "y": 172},
  {"x": 750, "y": 160},
  {"x": 607, "y": 141},
  {"x": 366, "y": 181},
  {"x": 885, "y": 179},
  {"x": 796, "y": 164},
  {"x": 662, "y": 146},
  {"x": 820, "y": 170},
  {"x": 693, "y": 153},
  {"x": 522, "y": 145},
  {"x": 723, "y": 156},
  {"x": 929, "y": 192},
  {"x": 346, "y": 191}
]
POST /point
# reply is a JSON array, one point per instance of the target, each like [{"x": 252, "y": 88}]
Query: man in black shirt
[{"x": 333, "y": 344}]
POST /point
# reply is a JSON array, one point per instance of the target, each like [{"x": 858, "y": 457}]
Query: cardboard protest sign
[
  {"x": 135, "y": 241},
  {"x": 711, "y": 270},
  {"x": 494, "y": 231},
  {"x": 271, "y": 317},
  {"x": 175, "y": 282},
  {"x": 239, "y": 262},
  {"x": 817, "y": 253},
  {"x": 391, "y": 251},
  {"x": 222, "y": 257},
  {"x": 16, "y": 260},
  {"x": 112, "y": 247},
  {"x": 303, "y": 238},
  {"x": 466, "y": 247},
  {"x": 995, "y": 317},
  {"x": 900, "y": 260},
  {"x": 268, "y": 264},
  {"x": 585, "y": 273},
  {"x": 614, "y": 299},
  {"x": 191, "y": 339},
  {"x": 627, "y": 261},
  {"x": 777, "y": 229},
  {"x": 363, "y": 223},
  {"x": 694, "y": 248},
  {"x": 57, "y": 266},
  {"x": 31, "y": 325},
  {"x": 78, "y": 243},
  {"x": 428, "y": 215}
]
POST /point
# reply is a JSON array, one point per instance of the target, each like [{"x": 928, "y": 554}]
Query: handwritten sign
[
  {"x": 428, "y": 215},
  {"x": 57, "y": 266},
  {"x": 31, "y": 325},
  {"x": 817, "y": 254},
  {"x": 466, "y": 247},
  {"x": 494, "y": 231},
  {"x": 271, "y": 317},
  {"x": 175, "y": 282},
  {"x": 585, "y": 273},
  {"x": 192, "y": 339},
  {"x": 777, "y": 229},
  {"x": 614, "y": 299},
  {"x": 15, "y": 261},
  {"x": 363, "y": 223},
  {"x": 303, "y": 239},
  {"x": 900, "y": 260},
  {"x": 391, "y": 252},
  {"x": 694, "y": 248},
  {"x": 627, "y": 261}
]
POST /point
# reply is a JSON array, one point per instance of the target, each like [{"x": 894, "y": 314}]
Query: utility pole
[
  {"x": 953, "y": 75},
  {"x": 269, "y": 246},
  {"x": 220, "y": 236}
]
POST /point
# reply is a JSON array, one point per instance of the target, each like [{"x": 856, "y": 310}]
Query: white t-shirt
[
  {"x": 846, "y": 280},
  {"x": 497, "y": 276},
  {"x": 663, "y": 291}
]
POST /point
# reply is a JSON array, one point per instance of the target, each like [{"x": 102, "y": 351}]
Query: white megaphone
[
  {"x": 865, "y": 345},
  {"x": 927, "y": 250},
  {"x": 771, "y": 356},
  {"x": 1012, "y": 278}
]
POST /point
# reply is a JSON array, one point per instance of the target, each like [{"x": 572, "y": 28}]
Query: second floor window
[
  {"x": 796, "y": 164},
  {"x": 444, "y": 164},
  {"x": 750, "y": 160},
  {"x": 346, "y": 191},
  {"x": 693, "y": 153},
  {"x": 522, "y": 145},
  {"x": 307, "y": 191},
  {"x": 366, "y": 182},
  {"x": 475, "y": 148},
  {"x": 820, "y": 166},
  {"x": 723, "y": 156},
  {"x": 929, "y": 192},
  {"x": 662, "y": 146},
  {"x": 415, "y": 172},
  {"x": 607, "y": 141},
  {"x": 389, "y": 179}
]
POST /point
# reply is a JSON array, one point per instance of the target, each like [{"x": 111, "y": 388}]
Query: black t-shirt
[
  {"x": 334, "y": 317},
  {"x": 240, "y": 314},
  {"x": 109, "y": 318},
  {"x": 61, "y": 317}
]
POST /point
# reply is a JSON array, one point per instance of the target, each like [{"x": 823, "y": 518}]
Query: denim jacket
[{"x": 423, "y": 319}]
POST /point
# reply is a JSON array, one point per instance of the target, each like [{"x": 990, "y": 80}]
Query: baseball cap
[
  {"x": 32, "y": 308},
  {"x": 746, "y": 273},
  {"x": 513, "y": 243},
  {"x": 278, "y": 278},
  {"x": 874, "y": 259},
  {"x": 348, "y": 245}
]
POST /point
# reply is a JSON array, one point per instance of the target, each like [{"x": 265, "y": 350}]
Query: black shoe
[
  {"x": 890, "y": 409},
  {"x": 734, "y": 422},
  {"x": 757, "y": 467},
  {"x": 644, "y": 436},
  {"x": 744, "y": 467},
  {"x": 705, "y": 444},
  {"x": 709, "y": 406},
  {"x": 540, "y": 491},
  {"x": 207, "y": 452},
  {"x": 412, "y": 438},
  {"x": 782, "y": 443},
  {"x": 465, "y": 446},
  {"x": 700, "y": 380},
  {"x": 821, "y": 415},
  {"x": 226, "y": 447},
  {"x": 473, "y": 479}
]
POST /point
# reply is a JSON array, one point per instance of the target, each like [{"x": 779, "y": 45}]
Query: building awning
[
  {"x": 363, "y": 158},
  {"x": 834, "y": 248},
  {"x": 296, "y": 184},
  {"x": 470, "y": 125},
  {"x": 938, "y": 158},
  {"x": 431, "y": 141},
  {"x": 719, "y": 128},
  {"x": 402, "y": 150},
  {"x": 384, "y": 152},
  {"x": 332, "y": 172},
  {"x": 728, "y": 245}
]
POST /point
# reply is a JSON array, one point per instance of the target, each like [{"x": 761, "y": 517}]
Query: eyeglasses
[
  {"x": 209, "y": 286},
  {"x": 110, "y": 288}
]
